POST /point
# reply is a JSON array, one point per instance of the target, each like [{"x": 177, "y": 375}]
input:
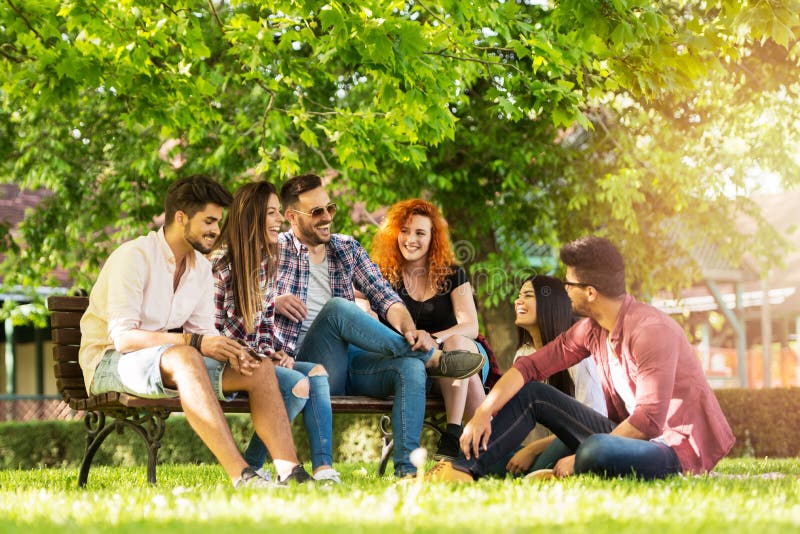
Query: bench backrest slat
[
  {"x": 68, "y": 370},
  {"x": 65, "y": 320},
  {"x": 65, "y": 353},
  {"x": 67, "y": 336},
  {"x": 68, "y": 304}
]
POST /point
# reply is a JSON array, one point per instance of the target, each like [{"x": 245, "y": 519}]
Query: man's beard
[
  {"x": 197, "y": 244},
  {"x": 311, "y": 237}
]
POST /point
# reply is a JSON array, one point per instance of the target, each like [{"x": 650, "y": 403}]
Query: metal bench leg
[
  {"x": 96, "y": 433},
  {"x": 433, "y": 422},
  {"x": 150, "y": 426},
  {"x": 387, "y": 440}
]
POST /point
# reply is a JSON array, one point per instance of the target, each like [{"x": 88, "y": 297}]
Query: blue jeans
[
  {"x": 317, "y": 415},
  {"x": 580, "y": 428},
  {"x": 365, "y": 357}
]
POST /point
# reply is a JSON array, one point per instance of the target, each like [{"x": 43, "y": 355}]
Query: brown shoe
[
  {"x": 541, "y": 474},
  {"x": 445, "y": 472}
]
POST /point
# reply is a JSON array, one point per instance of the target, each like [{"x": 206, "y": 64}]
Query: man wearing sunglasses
[
  {"x": 149, "y": 331},
  {"x": 317, "y": 319},
  {"x": 663, "y": 417}
]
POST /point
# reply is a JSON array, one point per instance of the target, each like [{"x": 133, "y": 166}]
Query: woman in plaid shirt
[{"x": 243, "y": 267}]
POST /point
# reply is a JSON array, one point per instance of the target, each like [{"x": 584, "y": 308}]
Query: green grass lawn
[{"x": 745, "y": 495}]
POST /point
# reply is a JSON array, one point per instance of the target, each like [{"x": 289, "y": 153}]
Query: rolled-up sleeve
[{"x": 563, "y": 352}]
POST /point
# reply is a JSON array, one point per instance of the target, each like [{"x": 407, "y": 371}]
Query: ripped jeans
[{"x": 316, "y": 409}]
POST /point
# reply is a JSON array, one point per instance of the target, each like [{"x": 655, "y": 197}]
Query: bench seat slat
[{"x": 70, "y": 394}]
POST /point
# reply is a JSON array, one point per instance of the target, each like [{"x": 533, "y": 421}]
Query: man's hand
[
  {"x": 291, "y": 306},
  {"x": 420, "y": 340},
  {"x": 475, "y": 436},
  {"x": 225, "y": 349},
  {"x": 282, "y": 359},
  {"x": 565, "y": 467}
]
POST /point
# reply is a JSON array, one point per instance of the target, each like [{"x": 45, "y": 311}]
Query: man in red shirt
[{"x": 663, "y": 417}]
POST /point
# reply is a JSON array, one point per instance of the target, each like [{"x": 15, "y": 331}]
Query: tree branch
[
  {"x": 25, "y": 20},
  {"x": 10, "y": 57},
  {"x": 329, "y": 113},
  {"x": 108, "y": 20},
  {"x": 432, "y": 14},
  {"x": 318, "y": 113},
  {"x": 264, "y": 119},
  {"x": 498, "y": 48},
  {"x": 319, "y": 153},
  {"x": 216, "y": 16},
  {"x": 475, "y": 60}
]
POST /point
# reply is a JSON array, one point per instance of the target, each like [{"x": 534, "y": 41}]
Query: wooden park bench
[{"x": 147, "y": 417}]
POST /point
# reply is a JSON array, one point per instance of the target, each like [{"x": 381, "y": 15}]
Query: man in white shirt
[{"x": 155, "y": 284}]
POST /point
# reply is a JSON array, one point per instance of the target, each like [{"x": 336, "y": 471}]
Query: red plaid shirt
[
  {"x": 228, "y": 322},
  {"x": 349, "y": 266}
]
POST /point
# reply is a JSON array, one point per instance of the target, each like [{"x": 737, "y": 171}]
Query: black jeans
[{"x": 582, "y": 430}]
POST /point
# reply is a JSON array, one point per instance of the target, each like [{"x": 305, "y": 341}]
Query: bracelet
[{"x": 194, "y": 342}]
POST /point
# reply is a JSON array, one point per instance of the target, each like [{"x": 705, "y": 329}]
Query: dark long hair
[{"x": 553, "y": 316}]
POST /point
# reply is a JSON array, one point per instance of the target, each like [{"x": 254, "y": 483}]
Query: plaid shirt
[
  {"x": 349, "y": 266},
  {"x": 228, "y": 322}
]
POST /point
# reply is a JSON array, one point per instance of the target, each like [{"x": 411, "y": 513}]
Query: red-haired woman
[{"x": 413, "y": 250}]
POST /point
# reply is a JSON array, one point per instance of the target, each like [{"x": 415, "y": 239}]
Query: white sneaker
[
  {"x": 329, "y": 475},
  {"x": 251, "y": 479},
  {"x": 266, "y": 474}
]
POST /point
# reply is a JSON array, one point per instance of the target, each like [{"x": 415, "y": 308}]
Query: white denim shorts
[{"x": 139, "y": 373}]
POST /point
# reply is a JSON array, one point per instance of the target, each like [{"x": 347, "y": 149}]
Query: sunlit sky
[{"x": 757, "y": 182}]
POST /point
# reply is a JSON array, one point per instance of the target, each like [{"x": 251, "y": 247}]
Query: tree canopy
[{"x": 530, "y": 122}]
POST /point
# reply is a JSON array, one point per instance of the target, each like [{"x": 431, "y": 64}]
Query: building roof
[
  {"x": 782, "y": 212},
  {"x": 13, "y": 203}
]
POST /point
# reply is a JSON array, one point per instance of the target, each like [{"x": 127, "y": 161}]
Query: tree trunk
[{"x": 497, "y": 323}]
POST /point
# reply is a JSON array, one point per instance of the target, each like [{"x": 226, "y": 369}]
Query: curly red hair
[{"x": 386, "y": 252}]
